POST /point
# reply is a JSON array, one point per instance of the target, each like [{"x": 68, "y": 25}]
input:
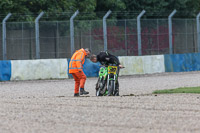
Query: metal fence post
[
  {"x": 90, "y": 35},
  {"x": 198, "y": 32},
  {"x": 4, "y": 36},
  {"x": 72, "y": 31},
  {"x": 37, "y": 35},
  {"x": 105, "y": 30},
  {"x": 22, "y": 40},
  {"x": 139, "y": 32},
  {"x": 186, "y": 47},
  {"x": 57, "y": 40},
  {"x": 170, "y": 31},
  {"x": 125, "y": 38},
  {"x": 158, "y": 36}
]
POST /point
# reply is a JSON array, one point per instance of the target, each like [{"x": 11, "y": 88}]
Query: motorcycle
[{"x": 106, "y": 84}]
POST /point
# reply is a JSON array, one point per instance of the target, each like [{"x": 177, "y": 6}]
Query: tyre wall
[
  {"x": 39, "y": 69},
  {"x": 89, "y": 68},
  {"x": 182, "y": 62},
  {"x": 142, "y": 64},
  {"x": 5, "y": 70},
  {"x": 58, "y": 68}
]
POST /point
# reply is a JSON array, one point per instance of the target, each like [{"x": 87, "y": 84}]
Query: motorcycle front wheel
[
  {"x": 98, "y": 88},
  {"x": 111, "y": 88},
  {"x": 116, "y": 93}
]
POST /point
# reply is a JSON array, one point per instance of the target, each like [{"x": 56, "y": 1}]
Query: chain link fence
[
  {"x": 1, "y": 46},
  {"x": 20, "y": 40},
  {"x": 121, "y": 37},
  {"x": 54, "y": 40},
  {"x": 89, "y": 34},
  {"x": 184, "y": 36}
]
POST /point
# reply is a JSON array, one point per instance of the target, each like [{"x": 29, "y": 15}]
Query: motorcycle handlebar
[{"x": 108, "y": 65}]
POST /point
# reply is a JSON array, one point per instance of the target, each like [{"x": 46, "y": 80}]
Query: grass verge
[{"x": 179, "y": 90}]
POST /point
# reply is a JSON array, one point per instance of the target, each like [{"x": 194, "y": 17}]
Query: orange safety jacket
[{"x": 77, "y": 61}]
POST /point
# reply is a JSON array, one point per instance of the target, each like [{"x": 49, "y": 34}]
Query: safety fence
[
  {"x": 58, "y": 68},
  {"x": 122, "y": 38},
  {"x": 125, "y": 37}
]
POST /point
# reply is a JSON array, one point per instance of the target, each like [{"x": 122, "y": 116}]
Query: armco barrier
[
  {"x": 153, "y": 64},
  {"x": 39, "y": 69},
  {"x": 89, "y": 68},
  {"x": 5, "y": 70},
  {"x": 142, "y": 64},
  {"x": 133, "y": 65},
  {"x": 182, "y": 62},
  {"x": 58, "y": 68}
]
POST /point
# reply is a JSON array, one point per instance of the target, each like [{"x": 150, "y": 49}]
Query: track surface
[{"x": 49, "y": 106}]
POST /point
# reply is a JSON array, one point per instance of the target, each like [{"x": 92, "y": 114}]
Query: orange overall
[{"x": 76, "y": 69}]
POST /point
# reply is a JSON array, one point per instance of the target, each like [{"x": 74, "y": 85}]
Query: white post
[
  {"x": 170, "y": 31},
  {"x": 105, "y": 30},
  {"x": 37, "y": 35},
  {"x": 139, "y": 32},
  {"x": 198, "y": 32},
  {"x": 4, "y": 36},
  {"x": 72, "y": 30}
]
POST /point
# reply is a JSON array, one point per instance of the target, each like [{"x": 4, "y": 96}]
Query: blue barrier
[
  {"x": 89, "y": 68},
  {"x": 182, "y": 62},
  {"x": 173, "y": 63},
  {"x": 5, "y": 70}
]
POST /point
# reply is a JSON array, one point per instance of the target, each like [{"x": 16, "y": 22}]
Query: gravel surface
[{"x": 48, "y": 106}]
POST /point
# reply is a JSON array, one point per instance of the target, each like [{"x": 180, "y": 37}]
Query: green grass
[{"x": 179, "y": 90}]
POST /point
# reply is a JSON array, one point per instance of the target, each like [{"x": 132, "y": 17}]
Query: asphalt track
[{"x": 48, "y": 106}]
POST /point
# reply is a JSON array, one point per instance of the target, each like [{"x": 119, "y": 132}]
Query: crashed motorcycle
[{"x": 107, "y": 84}]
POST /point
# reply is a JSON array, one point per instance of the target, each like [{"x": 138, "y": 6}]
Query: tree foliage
[
  {"x": 93, "y": 9},
  {"x": 155, "y": 8}
]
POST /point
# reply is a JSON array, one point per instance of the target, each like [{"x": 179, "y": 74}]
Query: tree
[
  {"x": 162, "y": 8},
  {"x": 86, "y": 8},
  {"x": 24, "y": 10},
  {"x": 114, "y": 5}
]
